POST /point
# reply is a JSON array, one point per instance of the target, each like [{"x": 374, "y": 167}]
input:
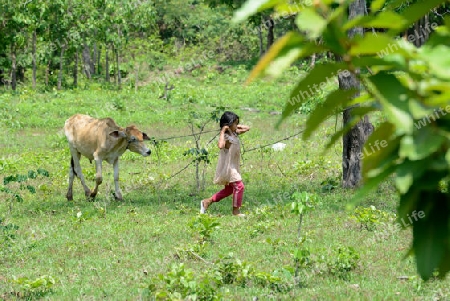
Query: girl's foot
[
  {"x": 204, "y": 204},
  {"x": 202, "y": 207},
  {"x": 237, "y": 212}
]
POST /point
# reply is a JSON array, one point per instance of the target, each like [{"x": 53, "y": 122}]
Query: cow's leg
[
  {"x": 76, "y": 169},
  {"x": 69, "y": 194},
  {"x": 98, "y": 175},
  {"x": 118, "y": 193}
]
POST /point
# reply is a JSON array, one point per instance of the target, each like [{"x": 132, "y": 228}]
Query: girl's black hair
[{"x": 228, "y": 118}]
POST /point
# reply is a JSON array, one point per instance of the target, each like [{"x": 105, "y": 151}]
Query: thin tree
[
  {"x": 13, "y": 67},
  {"x": 33, "y": 57},
  {"x": 353, "y": 141}
]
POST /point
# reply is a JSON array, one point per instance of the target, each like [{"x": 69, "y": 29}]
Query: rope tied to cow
[{"x": 156, "y": 141}]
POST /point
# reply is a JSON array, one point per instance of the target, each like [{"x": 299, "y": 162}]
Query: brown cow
[{"x": 98, "y": 140}]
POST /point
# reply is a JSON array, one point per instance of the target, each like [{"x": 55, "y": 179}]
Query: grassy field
[{"x": 155, "y": 244}]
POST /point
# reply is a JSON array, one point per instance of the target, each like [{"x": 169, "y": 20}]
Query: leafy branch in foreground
[{"x": 410, "y": 85}]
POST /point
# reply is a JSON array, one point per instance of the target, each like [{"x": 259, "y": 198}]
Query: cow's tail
[{"x": 72, "y": 165}]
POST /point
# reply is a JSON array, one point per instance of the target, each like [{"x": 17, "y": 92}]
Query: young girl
[{"x": 227, "y": 171}]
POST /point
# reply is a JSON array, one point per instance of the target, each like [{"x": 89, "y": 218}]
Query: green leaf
[
  {"x": 32, "y": 174},
  {"x": 18, "y": 198},
  {"x": 287, "y": 8},
  {"x": 424, "y": 143},
  {"x": 311, "y": 22},
  {"x": 404, "y": 180},
  {"x": 418, "y": 111},
  {"x": 384, "y": 142},
  {"x": 6, "y": 190},
  {"x": 251, "y": 7},
  {"x": 31, "y": 189},
  {"x": 21, "y": 178},
  {"x": 362, "y": 111},
  {"x": 334, "y": 38},
  {"x": 438, "y": 59},
  {"x": 393, "y": 96},
  {"x": 447, "y": 156},
  {"x": 334, "y": 100},
  {"x": 380, "y": 44},
  {"x": 409, "y": 173},
  {"x": 289, "y": 54},
  {"x": 387, "y": 62},
  {"x": 370, "y": 184},
  {"x": 414, "y": 12},
  {"x": 303, "y": 91},
  {"x": 43, "y": 172},
  {"x": 385, "y": 19},
  {"x": 340, "y": 133},
  {"x": 395, "y": 4},
  {"x": 376, "y": 5},
  {"x": 9, "y": 179},
  {"x": 431, "y": 233},
  {"x": 282, "y": 53}
]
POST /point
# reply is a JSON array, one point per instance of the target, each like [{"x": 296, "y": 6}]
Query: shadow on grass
[{"x": 180, "y": 198}]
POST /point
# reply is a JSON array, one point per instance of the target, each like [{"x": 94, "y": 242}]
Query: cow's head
[{"x": 135, "y": 140}]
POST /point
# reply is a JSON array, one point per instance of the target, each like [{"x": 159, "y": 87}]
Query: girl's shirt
[{"x": 228, "y": 170}]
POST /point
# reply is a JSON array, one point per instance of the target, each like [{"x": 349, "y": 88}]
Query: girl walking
[{"x": 228, "y": 171}]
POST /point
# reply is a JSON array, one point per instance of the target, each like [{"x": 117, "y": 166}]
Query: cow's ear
[
  {"x": 117, "y": 134},
  {"x": 145, "y": 136}
]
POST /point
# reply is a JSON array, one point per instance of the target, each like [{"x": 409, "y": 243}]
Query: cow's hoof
[
  {"x": 90, "y": 196},
  {"x": 118, "y": 197}
]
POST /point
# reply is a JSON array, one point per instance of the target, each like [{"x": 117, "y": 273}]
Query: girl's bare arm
[
  {"x": 241, "y": 129},
  {"x": 222, "y": 142}
]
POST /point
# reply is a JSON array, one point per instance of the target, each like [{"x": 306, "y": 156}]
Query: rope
[
  {"x": 243, "y": 147},
  {"x": 176, "y": 137},
  {"x": 270, "y": 144}
]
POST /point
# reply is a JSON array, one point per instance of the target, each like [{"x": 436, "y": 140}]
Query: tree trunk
[
  {"x": 61, "y": 65},
  {"x": 354, "y": 140},
  {"x": 75, "y": 70},
  {"x": 107, "y": 78},
  {"x": 114, "y": 62},
  {"x": 270, "y": 32},
  {"x": 260, "y": 38},
  {"x": 13, "y": 67},
  {"x": 418, "y": 39},
  {"x": 99, "y": 55},
  {"x": 87, "y": 61},
  {"x": 2, "y": 71},
  {"x": 20, "y": 77},
  {"x": 119, "y": 77},
  {"x": 313, "y": 60},
  {"x": 422, "y": 31},
  {"x": 47, "y": 72},
  {"x": 136, "y": 76},
  {"x": 92, "y": 62},
  {"x": 95, "y": 59},
  {"x": 34, "y": 59}
]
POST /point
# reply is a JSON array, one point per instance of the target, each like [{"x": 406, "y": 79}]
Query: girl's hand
[
  {"x": 225, "y": 128},
  {"x": 241, "y": 129}
]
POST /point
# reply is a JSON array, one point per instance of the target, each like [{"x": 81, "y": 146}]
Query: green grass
[{"x": 116, "y": 250}]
